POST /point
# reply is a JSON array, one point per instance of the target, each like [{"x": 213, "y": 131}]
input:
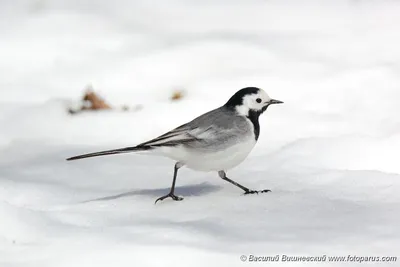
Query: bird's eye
[{"x": 258, "y": 100}]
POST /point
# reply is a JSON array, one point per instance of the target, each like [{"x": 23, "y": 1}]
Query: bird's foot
[
  {"x": 171, "y": 195},
  {"x": 256, "y": 192}
]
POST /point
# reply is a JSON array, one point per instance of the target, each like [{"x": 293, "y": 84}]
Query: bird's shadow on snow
[{"x": 187, "y": 190}]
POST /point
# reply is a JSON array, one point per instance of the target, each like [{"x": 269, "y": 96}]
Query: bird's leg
[
  {"x": 247, "y": 191},
  {"x": 171, "y": 193}
]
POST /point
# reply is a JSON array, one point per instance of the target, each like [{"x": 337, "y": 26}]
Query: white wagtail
[{"x": 215, "y": 141}]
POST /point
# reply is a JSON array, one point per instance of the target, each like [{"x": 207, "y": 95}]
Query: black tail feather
[{"x": 112, "y": 152}]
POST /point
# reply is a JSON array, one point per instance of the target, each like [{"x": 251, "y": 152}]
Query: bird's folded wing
[{"x": 184, "y": 135}]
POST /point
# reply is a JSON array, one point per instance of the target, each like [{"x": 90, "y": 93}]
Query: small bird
[{"x": 215, "y": 141}]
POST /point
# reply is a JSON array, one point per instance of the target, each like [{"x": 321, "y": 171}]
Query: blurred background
[
  {"x": 334, "y": 63},
  {"x": 330, "y": 152}
]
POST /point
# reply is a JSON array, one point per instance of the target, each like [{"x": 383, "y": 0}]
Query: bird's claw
[
  {"x": 171, "y": 195},
  {"x": 256, "y": 192}
]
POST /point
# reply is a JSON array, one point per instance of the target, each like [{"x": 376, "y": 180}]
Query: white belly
[{"x": 225, "y": 159}]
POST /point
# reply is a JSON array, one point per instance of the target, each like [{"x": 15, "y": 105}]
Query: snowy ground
[{"x": 330, "y": 154}]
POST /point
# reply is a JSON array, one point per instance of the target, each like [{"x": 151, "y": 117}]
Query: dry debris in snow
[
  {"x": 177, "y": 95},
  {"x": 91, "y": 101}
]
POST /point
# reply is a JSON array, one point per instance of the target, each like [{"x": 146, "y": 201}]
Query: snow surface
[{"x": 330, "y": 154}]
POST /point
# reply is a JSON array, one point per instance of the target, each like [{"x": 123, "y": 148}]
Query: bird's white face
[{"x": 256, "y": 102}]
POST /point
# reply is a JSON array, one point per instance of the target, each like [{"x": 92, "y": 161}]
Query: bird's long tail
[{"x": 112, "y": 152}]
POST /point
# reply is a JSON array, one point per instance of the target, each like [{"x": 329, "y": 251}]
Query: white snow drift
[{"x": 329, "y": 154}]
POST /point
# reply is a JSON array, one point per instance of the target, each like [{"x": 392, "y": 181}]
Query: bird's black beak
[
  {"x": 274, "y": 101},
  {"x": 270, "y": 102}
]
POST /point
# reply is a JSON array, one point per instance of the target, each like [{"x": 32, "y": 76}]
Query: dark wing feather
[{"x": 180, "y": 135}]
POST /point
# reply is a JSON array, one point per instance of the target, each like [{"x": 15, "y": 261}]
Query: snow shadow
[{"x": 187, "y": 190}]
